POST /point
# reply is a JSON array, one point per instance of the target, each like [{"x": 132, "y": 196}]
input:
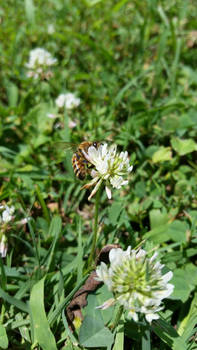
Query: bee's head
[{"x": 95, "y": 144}]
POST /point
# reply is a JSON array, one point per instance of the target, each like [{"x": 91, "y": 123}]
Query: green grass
[{"x": 133, "y": 65}]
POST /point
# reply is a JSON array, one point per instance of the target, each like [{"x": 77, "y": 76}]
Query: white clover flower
[
  {"x": 6, "y": 213},
  {"x": 3, "y": 246},
  {"x": 109, "y": 166},
  {"x": 68, "y": 101},
  {"x": 39, "y": 61},
  {"x": 136, "y": 282}
]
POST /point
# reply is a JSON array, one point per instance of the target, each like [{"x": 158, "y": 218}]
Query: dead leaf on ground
[{"x": 79, "y": 299}]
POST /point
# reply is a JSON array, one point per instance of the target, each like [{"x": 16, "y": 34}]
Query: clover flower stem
[
  {"x": 117, "y": 318},
  {"x": 66, "y": 127},
  {"x": 2, "y": 313},
  {"x": 95, "y": 230},
  {"x": 146, "y": 338}
]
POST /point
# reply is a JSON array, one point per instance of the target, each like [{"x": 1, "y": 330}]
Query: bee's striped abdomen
[{"x": 78, "y": 166}]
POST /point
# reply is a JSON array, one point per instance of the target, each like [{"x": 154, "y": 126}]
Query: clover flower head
[
  {"x": 136, "y": 282},
  {"x": 110, "y": 167},
  {"x": 68, "y": 101},
  {"x": 6, "y": 213},
  {"x": 39, "y": 62}
]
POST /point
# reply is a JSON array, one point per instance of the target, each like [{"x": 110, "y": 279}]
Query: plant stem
[
  {"x": 43, "y": 205},
  {"x": 2, "y": 313},
  {"x": 95, "y": 231},
  {"x": 117, "y": 318},
  {"x": 66, "y": 127}
]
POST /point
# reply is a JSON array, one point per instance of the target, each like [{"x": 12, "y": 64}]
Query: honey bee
[{"x": 79, "y": 161}]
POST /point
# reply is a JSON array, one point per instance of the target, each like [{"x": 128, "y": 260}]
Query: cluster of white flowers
[
  {"x": 5, "y": 217},
  {"x": 68, "y": 101},
  {"x": 136, "y": 281},
  {"x": 109, "y": 167},
  {"x": 39, "y": 61},
  {"x": 6, "y": 213}
]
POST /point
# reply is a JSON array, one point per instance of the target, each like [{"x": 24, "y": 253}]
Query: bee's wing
[
  {"x": 65, "y": 146},
  {"x": 61, "y": 150}
]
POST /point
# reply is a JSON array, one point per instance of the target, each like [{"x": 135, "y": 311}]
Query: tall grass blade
[
  {"x": 41, "y": 331},
  {"x": 30, "y": 11}
]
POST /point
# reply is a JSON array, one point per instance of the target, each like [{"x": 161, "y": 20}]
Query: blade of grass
[
  {"x": 30, "y": 11},
  {"x": 13, "y": 301},
  {"x": 22, "y": 324},
  {"x": 80, "y": 253},
  {"x": 41, "y": 331},
  {"x": 54, "y": 231},
  {"x": 42, "y": 203},
  {"x": 34, "y": 243},
  {"x": 188, "y": 323},
  {"x": 61, "y": 305},
  {"x": 175, "y": 65},
  {"x": 146, "y": 340},
  {"x": 3, "y": 275},
  {"x": 67, "y": 329},
  {"x": 119, "y": 339}
]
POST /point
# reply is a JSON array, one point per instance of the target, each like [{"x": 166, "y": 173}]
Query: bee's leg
[
  {"x": 78, "y": 156},
  {"x": 81, "y": 176},
  {"x": 86, "y": 156}
]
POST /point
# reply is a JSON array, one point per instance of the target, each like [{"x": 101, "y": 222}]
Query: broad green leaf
[
  {"x": 183, "y": 147},
  {"x": 175, "y": 231},
  {"x": 158, "y": 218},
  {"x": 178, "y": 231},
  {"x": 3, "y": 337},
  {"x": 184, "y": 281},
  {"x": 179, "y": 344},
  {"x": 140, "y": 189},
  {"x": 41, "y": 331},
  {"x": 114, "y": 212},
  {"x": 93, "y": 332},
  {"x": 162, "y": 154},
  {"x": 93, "y": 300}
]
